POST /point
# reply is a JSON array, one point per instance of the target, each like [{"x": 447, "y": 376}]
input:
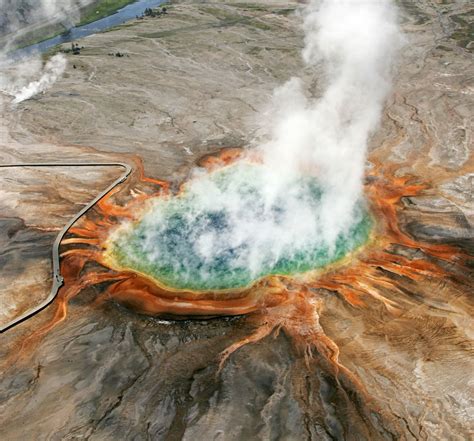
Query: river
[{"x": 123, "y": 15}]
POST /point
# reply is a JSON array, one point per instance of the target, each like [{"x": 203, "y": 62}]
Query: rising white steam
[
  {"x": 355, "y": 42},
  {"x": 21, "y": 83},
  {"x": 19, "y": 19},
  {"x": 271, "y": 215}
]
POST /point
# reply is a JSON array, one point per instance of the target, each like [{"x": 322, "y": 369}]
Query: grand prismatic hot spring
[
  {"x": 219, "y": 246},
  {"x": 236, "y": 220},
  {"x": 174, "y": 254},
  {"x": 197, "y": 240}
]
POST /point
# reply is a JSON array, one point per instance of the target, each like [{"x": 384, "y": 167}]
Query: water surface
[
  {"x": 123, "y": 15},
  {"x": 222, "y": 232}
]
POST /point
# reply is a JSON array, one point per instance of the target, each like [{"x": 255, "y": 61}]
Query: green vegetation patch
[
  {"x": 101, "y": 9},
  {"x": 220, "y": 13},
  {"x": 411, "y": 7},
  {"x": 95, "y": 11},
  {"x": 249, "y": 6},
  {"x": 464, "y": 33},
  {"x": 38, "y": 35}
]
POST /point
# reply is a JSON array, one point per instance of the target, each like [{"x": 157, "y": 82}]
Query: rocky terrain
[{"x": 188, "y": 84}]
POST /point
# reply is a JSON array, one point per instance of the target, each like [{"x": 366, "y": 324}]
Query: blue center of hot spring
[{"x": 225, "y": 231}]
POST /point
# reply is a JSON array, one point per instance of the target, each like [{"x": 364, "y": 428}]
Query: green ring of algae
[{"x": 162, "y": 243}]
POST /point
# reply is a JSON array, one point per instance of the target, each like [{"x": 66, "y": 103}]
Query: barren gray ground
[{"x": 190, "y": 83}]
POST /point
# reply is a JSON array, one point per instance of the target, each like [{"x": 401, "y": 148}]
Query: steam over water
[
  {"x": 221, "y": 232},
  {"x": 302, "y": 207},
  {"x": 355, "y": 42}
]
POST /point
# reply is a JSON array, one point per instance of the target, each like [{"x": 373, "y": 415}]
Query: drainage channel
[{"x": 58, "y": 279}]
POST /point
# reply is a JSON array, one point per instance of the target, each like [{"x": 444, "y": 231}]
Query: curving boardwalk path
[{"x": 57, "y": 277}]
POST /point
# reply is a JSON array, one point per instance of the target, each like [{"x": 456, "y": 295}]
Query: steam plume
[
  {"x": 271, "y": 213},
  {"x": 355, "y": 41},
  {"x": 26, "y": 78},
  {"x": 18, "y": 79}
]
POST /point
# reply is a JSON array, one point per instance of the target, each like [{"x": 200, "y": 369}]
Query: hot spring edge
[{"x": 168, "y": 242}]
